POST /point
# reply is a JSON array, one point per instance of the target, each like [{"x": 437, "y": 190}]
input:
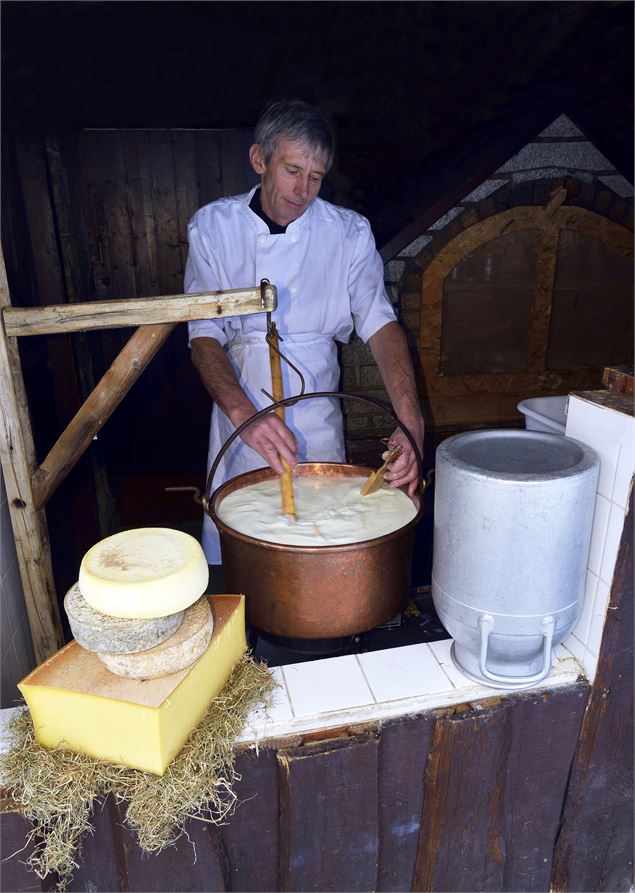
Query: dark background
[{"x": 414, "y": 90}]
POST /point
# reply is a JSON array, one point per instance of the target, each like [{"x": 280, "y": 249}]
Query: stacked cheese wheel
[{"x": 138, "y": 603}]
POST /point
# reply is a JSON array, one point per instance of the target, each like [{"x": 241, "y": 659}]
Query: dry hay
[{"x": 57, "y": 790}]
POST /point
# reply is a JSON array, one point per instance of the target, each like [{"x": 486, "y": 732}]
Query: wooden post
[{"x": 29, "y": 525}]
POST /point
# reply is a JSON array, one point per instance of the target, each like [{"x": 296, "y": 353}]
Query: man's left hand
[{"x": 404, "y": 470}]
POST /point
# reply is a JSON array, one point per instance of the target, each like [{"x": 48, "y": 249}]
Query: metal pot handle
[
  {"x": 290, "y": 401},
  {"x": 486, "y": 626}
]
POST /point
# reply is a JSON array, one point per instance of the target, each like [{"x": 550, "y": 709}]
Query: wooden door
[{"x": 528, "y": 302}]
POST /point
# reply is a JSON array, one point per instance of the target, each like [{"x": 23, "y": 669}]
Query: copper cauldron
[{"x": 315, "y": 592}]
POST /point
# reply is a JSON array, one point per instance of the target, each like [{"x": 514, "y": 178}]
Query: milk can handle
[
  {"x": 291, "y": 401},
  {"x": 486, "y": 625}
]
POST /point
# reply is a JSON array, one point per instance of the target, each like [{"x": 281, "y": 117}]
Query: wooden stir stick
[{"x": 286, "y": 485}]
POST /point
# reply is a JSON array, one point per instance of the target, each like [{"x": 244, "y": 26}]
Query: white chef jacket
[{"x": 329, "y": 278}]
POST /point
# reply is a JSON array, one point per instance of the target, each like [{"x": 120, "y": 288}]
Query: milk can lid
[{"x": 518, "y": 454}]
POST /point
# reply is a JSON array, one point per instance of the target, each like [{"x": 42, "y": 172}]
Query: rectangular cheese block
[{"x": 78, "y": 704}]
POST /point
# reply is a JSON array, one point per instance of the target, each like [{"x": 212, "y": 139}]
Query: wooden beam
[
  {"x": 128, "y": 312},
  {"x": 30, "y": 529}
]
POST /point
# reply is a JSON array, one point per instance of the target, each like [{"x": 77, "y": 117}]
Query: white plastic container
[{"x": 545, "y": 414}]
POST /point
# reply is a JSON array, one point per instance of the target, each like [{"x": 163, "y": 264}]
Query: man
[{"x": 329, "y": 278}]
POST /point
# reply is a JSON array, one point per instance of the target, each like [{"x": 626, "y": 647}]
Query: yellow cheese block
[
  {"x": 78, "y": 704},
  {"x": 145, "y": 572}
]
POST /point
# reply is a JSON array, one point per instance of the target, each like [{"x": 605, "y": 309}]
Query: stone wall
[{"x": 560, "y": 155}]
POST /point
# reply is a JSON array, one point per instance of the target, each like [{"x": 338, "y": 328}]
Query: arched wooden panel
[{"x": 486, "y": 397}]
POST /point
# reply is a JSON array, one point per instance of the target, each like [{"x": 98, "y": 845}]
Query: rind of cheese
[
  {"x": 179, "y": 651},
  {"x": 143, "y": 573},
  {"x": 77, "y": 704},
  {"x": 95, "y": 631}
]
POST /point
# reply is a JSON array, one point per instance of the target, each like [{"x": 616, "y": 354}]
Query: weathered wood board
[
  {"x": 329, "y": 816},
  {"x": 596, "y": 843},
  {"x": 494, "y": 787},
  {"x": 404, "y": 748}
]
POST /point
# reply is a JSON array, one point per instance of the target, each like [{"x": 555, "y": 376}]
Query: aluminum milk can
[{"x": 512, "y": 527}]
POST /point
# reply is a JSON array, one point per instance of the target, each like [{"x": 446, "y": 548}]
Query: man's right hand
[
  {"x": 269, "y": 436},
  {"x": 272, "y": 440}
]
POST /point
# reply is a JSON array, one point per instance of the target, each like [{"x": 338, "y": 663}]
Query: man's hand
[
  {"x": 404, "y": 470},
  {"x": 269, "y": 436},
  {"x": 271, "y": 439}
]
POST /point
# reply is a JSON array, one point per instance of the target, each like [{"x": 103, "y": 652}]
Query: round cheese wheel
[
  {"x": 142, "y": 573},
  {"x": 179, "y": 651},
  {"x": 95, "y": 631}
]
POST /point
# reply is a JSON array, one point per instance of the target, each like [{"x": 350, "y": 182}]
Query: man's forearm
[
  {"x": 219, "y": 378},
  {"x": 390, "y": 351}
]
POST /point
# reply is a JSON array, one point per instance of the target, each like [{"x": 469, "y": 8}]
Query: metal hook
[{"x": 272, "y": 337}]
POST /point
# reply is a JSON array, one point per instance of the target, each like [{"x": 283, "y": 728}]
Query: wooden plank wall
[
  {"x": 468, "y": 798},
  {"x": 102, "y": 214}
]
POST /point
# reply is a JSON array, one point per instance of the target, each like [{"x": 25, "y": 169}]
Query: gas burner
[
  {"x": 279, "y": 650},
  {"x": 416, "y": 623}
]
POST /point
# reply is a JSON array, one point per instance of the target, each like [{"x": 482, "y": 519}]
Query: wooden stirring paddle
[
  {"x": 286, "y": 485},
  {"x": 376, "y": 479}
]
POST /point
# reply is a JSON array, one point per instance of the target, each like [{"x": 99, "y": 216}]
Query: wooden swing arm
[{"x": 127, "y": 312}]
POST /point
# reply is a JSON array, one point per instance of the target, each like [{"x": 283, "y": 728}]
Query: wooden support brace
[
  {"x": 97, "y": 409},
  {"x": 30, "y": 529}
]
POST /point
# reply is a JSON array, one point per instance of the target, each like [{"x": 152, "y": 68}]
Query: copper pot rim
[{"x": 304, "y": 469}]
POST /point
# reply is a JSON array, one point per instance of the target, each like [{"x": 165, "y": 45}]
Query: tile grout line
[
  {"x": 442, "y": 668},
  {"x": 617, "y": 462},
  {"x": 595, "y": 589},
  {"x": 605, "y": 532},
  {"x": 370, "y": 688},
  {"x": 286, "y": 688},
  {"x": 622, "y": 513}
]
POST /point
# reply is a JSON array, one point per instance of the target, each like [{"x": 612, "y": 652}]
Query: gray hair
[{"x": 295, "y": 120}]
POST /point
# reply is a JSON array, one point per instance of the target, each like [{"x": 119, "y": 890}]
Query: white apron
[
  {"x": 329, "y": 278},
  {"x": 317, "y": 424}
]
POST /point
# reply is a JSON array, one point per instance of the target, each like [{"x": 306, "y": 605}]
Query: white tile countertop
[
  {"x": 378, "y": 685},
  {"x": 358, "y": 688}
]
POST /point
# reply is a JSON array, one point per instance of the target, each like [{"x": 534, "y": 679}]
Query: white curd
[{"x": 329, "y": 511}]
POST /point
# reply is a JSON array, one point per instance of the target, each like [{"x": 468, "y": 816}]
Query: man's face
[{"x": 290, "y": 181}]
